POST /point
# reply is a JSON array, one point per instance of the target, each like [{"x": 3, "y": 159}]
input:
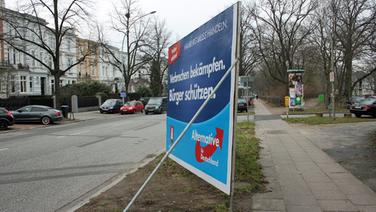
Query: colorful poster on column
[
  {"x": 296, "y": 89},
  {"x": 196, "y": 65}
]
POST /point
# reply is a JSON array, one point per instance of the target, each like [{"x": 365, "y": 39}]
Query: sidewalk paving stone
[{"x": 301, "y": 176}]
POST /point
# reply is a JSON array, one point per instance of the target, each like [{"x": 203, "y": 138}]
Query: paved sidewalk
[
  {"x": 91, "y": 115},
  {"x": 301, "y": 176}
]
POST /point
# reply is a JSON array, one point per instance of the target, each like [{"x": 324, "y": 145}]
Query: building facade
[
  {"x": 23, "y": 74},
  {"x": 89, "y": 68}
]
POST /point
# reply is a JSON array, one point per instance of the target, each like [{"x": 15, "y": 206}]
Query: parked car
[
  {"x": 132, "y": 107},
  {"x": 6, "y": 118},
  {"x": 144, "y": 100},
  {"x": 111, "y": 106},
  {"x": 156, "y": 105},
  {"x": 364, "y": 107},
  {"x": 242, "y": 105},
  {"x": 37, "y": 113},
  {"x": 353, "y": 100}
]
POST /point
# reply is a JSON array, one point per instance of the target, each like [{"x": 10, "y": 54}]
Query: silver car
[{"x": 37, "y": 113}]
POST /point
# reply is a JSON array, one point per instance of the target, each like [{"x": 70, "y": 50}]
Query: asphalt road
[{"x": 53, "y": 168}]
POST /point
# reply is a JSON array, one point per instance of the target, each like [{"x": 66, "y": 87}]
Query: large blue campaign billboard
[{"x": 196, "y": 65}]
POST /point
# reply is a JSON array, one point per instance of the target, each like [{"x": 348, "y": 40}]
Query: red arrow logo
[{"x": 204, "y": 153}]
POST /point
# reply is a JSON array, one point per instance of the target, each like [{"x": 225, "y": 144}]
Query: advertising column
[
  {"x": 296, "y": 89},
  {"x": 196, "y": 65}
]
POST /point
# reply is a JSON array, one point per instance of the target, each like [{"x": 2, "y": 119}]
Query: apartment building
[
  {"x": 89, "y": 68},
  {"x": 23, "y": 74}
]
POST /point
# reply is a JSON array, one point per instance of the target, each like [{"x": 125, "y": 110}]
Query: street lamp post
[{"x": 128, "y": 25}]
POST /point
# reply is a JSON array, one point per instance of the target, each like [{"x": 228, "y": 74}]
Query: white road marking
[{"x": 4, "y": 149}]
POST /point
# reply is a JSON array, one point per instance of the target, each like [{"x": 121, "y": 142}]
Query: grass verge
[
  {"x": 325, "y": 120},
  {"x": 174, "y": 188}
]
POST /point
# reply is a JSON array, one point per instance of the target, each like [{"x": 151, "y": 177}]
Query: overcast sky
[{"x": 181, "y": 16}]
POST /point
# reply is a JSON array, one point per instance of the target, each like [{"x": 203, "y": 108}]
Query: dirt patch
[
  {"x": 176, "y": 189},
  {"x": 172, "y": 189}
]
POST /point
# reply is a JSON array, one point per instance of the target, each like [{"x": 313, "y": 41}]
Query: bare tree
[
  {"x": 324, "y": 40},
  {"x": 158, "y": 43},
  {"x": 281, "y": 29},
  {"x": 356, "y": 21},
  {"x": 248, "y": 49},
  {"x": 128, "y": 21},
  {"x": 28, "y": 30},
  {"x": 369, "y": 67}
]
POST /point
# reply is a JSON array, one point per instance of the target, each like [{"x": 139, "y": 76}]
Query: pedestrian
[{"x": 250, "y": 101}]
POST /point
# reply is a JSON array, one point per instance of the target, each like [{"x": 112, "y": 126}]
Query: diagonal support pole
[{"x": 180, "y": 136}]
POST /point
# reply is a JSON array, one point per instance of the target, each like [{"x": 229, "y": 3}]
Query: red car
[
  {"x": 132, "y": 107},
  {"x": 364, "y": 107}
]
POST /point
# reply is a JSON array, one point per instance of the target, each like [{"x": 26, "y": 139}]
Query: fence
[
  {"x": 13, "y": 103},
  {"x": 87, "y": 101}
]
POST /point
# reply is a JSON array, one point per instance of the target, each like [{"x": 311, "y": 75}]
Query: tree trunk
[
  {"x": 327, "y": 91},
  {"x": 57, "y": 90},
  {"x": 348, "y": 75},
  {"x": 126, "y": 84}
]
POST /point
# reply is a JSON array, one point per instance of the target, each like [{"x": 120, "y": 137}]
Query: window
[
  {"x": 38, "y": 109},
  {"x": 25, "y": 109},
  {"x": 32, "y": 58},
  {"x": 69, "y": 45},
  {"x": 50, "y": 62},
  {"x": 20, "y": 58},
  {"x": 52, "y": 86},
  {"x": 14, "y": 57},
  {"x": 41, "y": 57},
  {"x": 23, "y": 84},
  {"x": 31, "y": 84},
  {"x": 8, "y": 55},
  {"x": 70, "y": 61},
  {"x": 12, "y": 83}
]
